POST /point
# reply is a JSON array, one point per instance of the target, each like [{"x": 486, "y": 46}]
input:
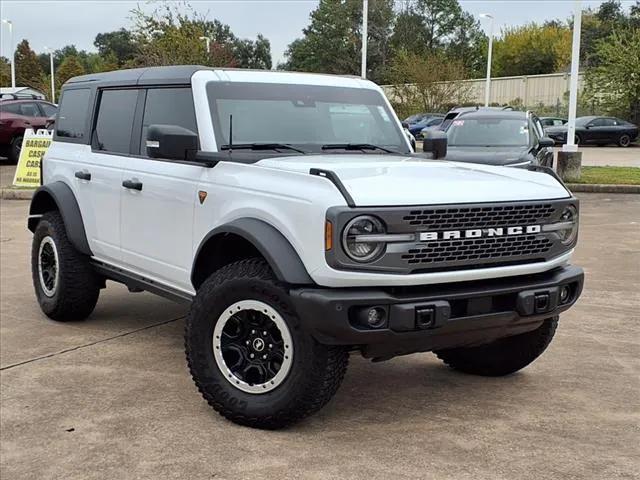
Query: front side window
[
  {"x": 72, "y": 118},
  {"x": 305, "y": 116},
  {"x": 29, "y": 110},
  {"x": 115, "y": 120},
  {"x": 168, "y": 106},
  {"x": 485, "y": 132},
  {"x": 48, "y": 109}
]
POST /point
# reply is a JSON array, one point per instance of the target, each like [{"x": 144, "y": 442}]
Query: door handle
[
  {"x": 83, "y": 176},
  {"x": 132, "y": 184}
]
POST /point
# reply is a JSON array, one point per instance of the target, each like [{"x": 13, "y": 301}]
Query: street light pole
[
  {"x": 53, "y": 84},
  {"x": 487, "y": 88},
  {"x": 13, "y": 52},
  {"x": 570, "y": 146},
  {"x": 207, "y": 41},
  {"x": 365, "y": 13}
]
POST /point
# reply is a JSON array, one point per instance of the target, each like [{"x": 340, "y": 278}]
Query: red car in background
[{"x": 18, "y": 114}]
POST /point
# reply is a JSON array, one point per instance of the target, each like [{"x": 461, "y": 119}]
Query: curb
[
  {"x": 602, "y": 188},
  {"x": 16, "y": 194}
]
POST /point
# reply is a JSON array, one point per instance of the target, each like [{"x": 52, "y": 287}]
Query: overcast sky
[{"x": 55, "y": 23}]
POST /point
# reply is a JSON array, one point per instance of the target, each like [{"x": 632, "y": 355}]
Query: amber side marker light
[{"x": 328, "y": 236}]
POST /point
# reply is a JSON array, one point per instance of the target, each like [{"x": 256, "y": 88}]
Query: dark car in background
[
  {"x": 552, "y": 121},
  {"x": 498, "y": 137},
  {"x": 597, "y": 131},
  {"x": 425, "y": 120},
  {"x": 454, "y": 112},
  {"x": 16, "y": 115}
]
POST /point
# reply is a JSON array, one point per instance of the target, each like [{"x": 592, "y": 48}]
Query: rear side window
[
  {"x": 115, "y": 120},
  {"x": 168, "y": 106},
  {"x": 72, "y": 118},
  {"x": 10, "y": 108}
]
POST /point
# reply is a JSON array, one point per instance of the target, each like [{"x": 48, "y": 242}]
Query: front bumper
[{"x": 433, "y": 317}]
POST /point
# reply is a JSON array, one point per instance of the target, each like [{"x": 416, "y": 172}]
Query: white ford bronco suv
[{"x": 290, "y": 211}]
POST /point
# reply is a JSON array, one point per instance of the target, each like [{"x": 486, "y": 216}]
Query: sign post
[{"x": 29, "y": 169}]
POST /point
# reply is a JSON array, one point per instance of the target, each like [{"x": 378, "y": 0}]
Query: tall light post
[
  {"x": 53, "y": 83},
  {"x": 365, "y": 14},
  {"x": 487, "y": 88},
  {"x": 207, "y": 42},
  {"x": 13, "y": 52},
  {"x": 570, "y": 146}
]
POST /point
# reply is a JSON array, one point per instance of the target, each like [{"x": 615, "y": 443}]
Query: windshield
[
  {"x": 494, "y": 132},
  {"x": 415, "y": 118},
  {"x": 305, "y": 116}
]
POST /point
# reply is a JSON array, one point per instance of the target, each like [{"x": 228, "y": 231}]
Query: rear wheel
[
  {"x": 503, "y": 356},
  {"x": 66, "y": 286},
  {"x": 249, "y": 355},
  {"x": 14, "y": 149},
  {"x": 624, "y": 141}
]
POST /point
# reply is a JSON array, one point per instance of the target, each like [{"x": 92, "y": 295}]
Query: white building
[{"x": 22, "y": 92}]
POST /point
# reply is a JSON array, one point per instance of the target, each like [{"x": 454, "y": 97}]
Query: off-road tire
[
  {"x": 316, "y": 371},
  {"x": 624, "y": 141},
  {"x": 78, "y": 285},
  {"x": 14, "y": 150},
  {"x": 503, "y": 356}
]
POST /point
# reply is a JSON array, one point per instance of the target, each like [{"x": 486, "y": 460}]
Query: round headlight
[
  {"x": 570, "y": 217},
  {"x": 355, "y": 242}
]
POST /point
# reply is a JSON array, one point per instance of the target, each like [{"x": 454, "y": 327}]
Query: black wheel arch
[
  {"x": 246, "y": 238},
  {"x": 59, "y": 196}
]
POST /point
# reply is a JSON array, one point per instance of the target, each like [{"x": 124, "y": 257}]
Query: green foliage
[
  {"x": 332, "y": 41},
  {"x": 118, "y": 45},
  {"x": 532, "y": 49},
  {"x": 610, "y": 175},
  {"x": 614, "y": 84},
  {"x": 28, "y": 70},
  {"x": 5, "y": 71},
  {"x": 69, "y": 68}
]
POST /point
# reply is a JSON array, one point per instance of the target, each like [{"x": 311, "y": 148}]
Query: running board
[{"x": 138, "y": 283}]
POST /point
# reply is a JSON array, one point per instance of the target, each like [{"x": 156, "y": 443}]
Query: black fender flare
[
  {"x": 58, "y": 195},
  {"x": 272, "y": 245}
]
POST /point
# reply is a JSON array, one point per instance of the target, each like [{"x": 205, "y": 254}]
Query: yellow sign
[{"x": 34, "y": 146}]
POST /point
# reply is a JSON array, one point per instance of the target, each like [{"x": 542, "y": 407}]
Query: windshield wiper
[
  {"x": 261, "y": 146},
  {"x": 356, "y": 146}
]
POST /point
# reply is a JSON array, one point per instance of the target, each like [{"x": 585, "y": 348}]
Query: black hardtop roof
[
  {"x": 179, "y": 74},
  {"x": 515, "y": 114},
  {"x": 175, "y": 74}
]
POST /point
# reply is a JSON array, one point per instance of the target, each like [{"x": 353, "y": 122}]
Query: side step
[{"x": 138, "y": 283}]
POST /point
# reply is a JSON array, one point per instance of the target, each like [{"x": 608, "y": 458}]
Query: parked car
[
  {"x": 597, "y": 130},
  {"x": 295, "y": 243},
  {"x": 509, "y": 138},
  {"x": 16, "y": 115},
  {"x": 552, "y": 121},
  {"x": 454, "y": 112},
  {"x": 428, "y": 119},
  {"x": 433, "y": 124}
]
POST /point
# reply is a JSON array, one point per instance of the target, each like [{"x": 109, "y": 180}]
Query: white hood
[{"x": 383, "y": 180}]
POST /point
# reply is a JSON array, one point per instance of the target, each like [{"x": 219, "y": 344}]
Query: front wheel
[
  {"x": 14, "y": 150},
  {"x": 249, "y": 355},
  {"x": 503, "y": 356}
]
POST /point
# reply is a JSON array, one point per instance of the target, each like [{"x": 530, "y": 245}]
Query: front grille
[
  {"x": 480, "y": 217},
  {"x": 468, "y": 250}
]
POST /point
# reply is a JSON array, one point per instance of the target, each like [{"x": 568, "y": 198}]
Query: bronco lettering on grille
[{"x": 479, "y": 233}]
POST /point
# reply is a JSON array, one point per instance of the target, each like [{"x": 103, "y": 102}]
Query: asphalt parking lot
[{"x": 111, "y": 397}]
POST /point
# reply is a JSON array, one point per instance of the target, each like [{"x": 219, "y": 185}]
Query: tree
[
  {"x": 119, "y": 44},
  {"x": 615, "y": 83},
  {"x": 28, "y": 70},
  {"x": 333, "y": 40},
  {"x": 69, "y": 68},
  {"x": 532, "y": 49},
  {"x": 5, "y": 71},
  {"x": 430, "y": 83}
]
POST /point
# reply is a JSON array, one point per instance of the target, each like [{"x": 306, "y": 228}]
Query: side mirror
[
  {"x": 405, "y": 125},
  {"x": 435, "y": 141},
  {"x": 546, "y": 142},
  {"x": 171, "y": 141}
]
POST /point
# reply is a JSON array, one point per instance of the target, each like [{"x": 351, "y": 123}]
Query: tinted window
[
  {"x": 29, "y": 110},
  {"x": 48, "y": 109},
  {"x": 599, "y": 122},
  {"x": 168, "y": 106},
  {"x": 115, "y": 120},
  {"x": 478, "y": 132},
  {"x": 10, "y": 108},
  {"x": 72, "y": 119}
]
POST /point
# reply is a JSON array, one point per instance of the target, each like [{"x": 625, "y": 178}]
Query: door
[
  {"x": 99, "y": 172},
  {"x": 158, "y": 202},
  {"x": 598, "y": 130}
]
